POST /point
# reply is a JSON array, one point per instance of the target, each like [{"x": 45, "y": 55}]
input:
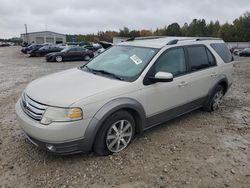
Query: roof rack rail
[
  {"x": 144, "y": 38},
  {"x": 208, "y": 38},
  {"x": 130, "y": 39},
  {"x": 175, "y": 41}
]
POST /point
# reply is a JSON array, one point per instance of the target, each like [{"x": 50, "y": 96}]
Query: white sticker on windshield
[{"x": 136, "y": 59}]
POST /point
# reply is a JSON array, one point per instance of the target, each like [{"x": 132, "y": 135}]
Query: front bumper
[
  {"x": 67, "y": 137},
  {"x": 67, "y": 148}
]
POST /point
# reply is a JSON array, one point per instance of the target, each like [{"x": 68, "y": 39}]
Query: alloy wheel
[
  {"x": 58, "y": 58},
  {"x": 217, "y": 100},
  {"x": 119, "y": 135}
]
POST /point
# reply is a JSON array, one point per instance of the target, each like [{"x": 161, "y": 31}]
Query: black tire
[
  {"x": 38, "y": 55},
  {"x": 101, "y": 140},
  {"x": 210, "y": 105}
]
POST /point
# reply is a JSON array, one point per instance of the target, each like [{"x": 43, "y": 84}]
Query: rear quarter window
[{"x": 223, "y": 51}]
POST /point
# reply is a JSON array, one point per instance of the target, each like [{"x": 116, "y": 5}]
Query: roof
[
  {"x": 159, "y": 42},
  {"x": 42, "y": 32}
]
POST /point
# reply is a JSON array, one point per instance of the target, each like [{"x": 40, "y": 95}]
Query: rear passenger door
[
  {"x": 78, "y": 53},
  {"x": 202, "y": 71}
]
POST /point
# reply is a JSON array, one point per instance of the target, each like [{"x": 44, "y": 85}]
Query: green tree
[
  {"x": 226, "y": 32},
  {"x": 197, "y": 28},
  {"x": 174, "y": 30},
  {"x": 124, "y": 32},
  {"x": 242, "y": 27}
]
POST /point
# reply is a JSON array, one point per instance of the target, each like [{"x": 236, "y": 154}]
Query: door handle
[
  {"x": 213, "y": 74},
  {"x": 183, "y": 84}
]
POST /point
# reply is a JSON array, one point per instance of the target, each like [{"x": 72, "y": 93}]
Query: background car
[
  {"x": 245, "y": 52},
  {"x": 4, "y": 44},
  {"x": 32, "y": 51},
  {"x": 71, "y": 53},
  {"x": 236, "y": 51},
  {"x": 105, "y": 44},
  {"x": 47, "y": 49},
  {"x": 93, "y": 47},
  {"x": 28, "y": 48}
]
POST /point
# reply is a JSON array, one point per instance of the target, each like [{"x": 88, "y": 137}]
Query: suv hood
[{"x": 66, "y": 87}]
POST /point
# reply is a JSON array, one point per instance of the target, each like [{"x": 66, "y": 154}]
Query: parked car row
[
  {"x": 241, "y": 52},
  {"x": 245, "y": 52},
  {"x": 64, "y": 52}
]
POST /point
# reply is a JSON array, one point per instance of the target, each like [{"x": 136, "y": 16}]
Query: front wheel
[
  {"x": 115, "y": 134},
  {"x": 59, "y": 59}
]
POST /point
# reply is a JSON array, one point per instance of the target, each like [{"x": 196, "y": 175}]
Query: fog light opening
[{"x": 50, "y": 147}]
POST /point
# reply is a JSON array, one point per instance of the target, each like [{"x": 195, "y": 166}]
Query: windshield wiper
[
  {"x": 89, "y": 69},
  {"x": 107, "y": 73},
  {"x": 95, "y": 71}
]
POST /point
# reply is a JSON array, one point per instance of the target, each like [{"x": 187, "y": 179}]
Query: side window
[
  {"x": 211, "y": 58},
  {"x": 223, "y": 51},
  {"x": 172, "y": 61},
  {"x": 72, "y": 50},
  {"x": 198, "y": 58}
]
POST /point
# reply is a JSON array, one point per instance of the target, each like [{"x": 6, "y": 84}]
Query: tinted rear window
[
  {"x": 223, "y": 51},
  {"x": 198, "y": 58}
]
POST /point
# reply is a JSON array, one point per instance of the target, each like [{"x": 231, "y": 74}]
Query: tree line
[{"x": 238, "y": 31}]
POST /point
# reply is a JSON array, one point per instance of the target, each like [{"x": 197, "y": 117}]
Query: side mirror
[{"x": 163, "y": 77}]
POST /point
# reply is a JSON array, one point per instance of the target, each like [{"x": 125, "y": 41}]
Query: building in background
[{"x": 43, "y": 36}]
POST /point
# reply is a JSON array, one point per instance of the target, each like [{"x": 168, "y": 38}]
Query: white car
[{"x": 127, "y": 89}]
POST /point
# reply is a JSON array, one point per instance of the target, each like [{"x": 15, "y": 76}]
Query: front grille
[{"x": 32, "y": 108}]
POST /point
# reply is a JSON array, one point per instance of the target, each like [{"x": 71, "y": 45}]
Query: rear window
[{"x": 223, "y": 51}]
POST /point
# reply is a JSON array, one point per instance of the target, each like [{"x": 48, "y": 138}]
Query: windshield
[{"x": 126, "y": 62}]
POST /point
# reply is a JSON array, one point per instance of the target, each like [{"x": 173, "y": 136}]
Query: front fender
[{"x": 108, "y": 109}]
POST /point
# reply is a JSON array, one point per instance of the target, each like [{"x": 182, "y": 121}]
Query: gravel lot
[{"x": 196, "y": 150}]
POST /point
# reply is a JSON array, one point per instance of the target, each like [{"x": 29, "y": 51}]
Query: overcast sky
[{"x": 82, "y": 17}]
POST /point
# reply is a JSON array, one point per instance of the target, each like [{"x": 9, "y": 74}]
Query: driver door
[
  {"x": 164, "y": 98},
  {"x": 71, "y": 54}
]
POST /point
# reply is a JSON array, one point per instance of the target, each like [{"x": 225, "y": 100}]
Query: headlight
[{"x": 54, "y": 114}]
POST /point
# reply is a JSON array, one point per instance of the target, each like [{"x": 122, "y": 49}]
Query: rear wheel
[
  {"x": 59, "y": 58},
  {"x": 86, "y": 58},
  {"x": 215, "y": 100},
  {"x": 115, "y": 134}
]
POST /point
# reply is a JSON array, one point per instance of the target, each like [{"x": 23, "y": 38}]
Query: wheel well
[
  {"x": 137, "y": 118},
  {"x": 224, "y": 85}
]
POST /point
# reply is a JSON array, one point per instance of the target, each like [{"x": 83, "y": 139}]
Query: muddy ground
[{"x": 196, "y": 150}]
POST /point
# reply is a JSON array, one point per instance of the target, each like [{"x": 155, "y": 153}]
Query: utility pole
[{"x": 26, "y": 33}]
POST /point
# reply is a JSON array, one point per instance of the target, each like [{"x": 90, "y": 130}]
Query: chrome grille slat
[
  {"x": 32, "y": 115},
  {"x": 34, "y": 103},
  {"x": 33, "y": 109}
]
